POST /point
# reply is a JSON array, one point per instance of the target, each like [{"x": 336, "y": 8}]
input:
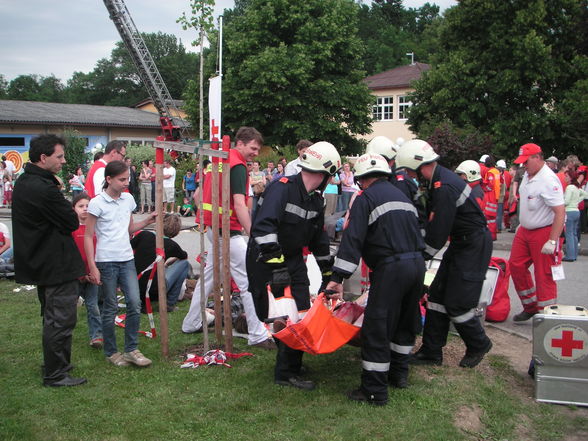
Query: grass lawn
[{"x": 164, "y": 402}]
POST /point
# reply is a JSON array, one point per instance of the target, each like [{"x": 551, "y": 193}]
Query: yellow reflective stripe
[
  {"x": 277, "y": 259},
  {"x": 208, "y": 207}
]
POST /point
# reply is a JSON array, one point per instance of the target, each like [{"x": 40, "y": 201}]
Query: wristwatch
[{"x": 552, "y": 242}]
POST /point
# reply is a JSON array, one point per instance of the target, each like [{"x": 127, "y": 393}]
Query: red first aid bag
[
  {"x": 319, "y": 332},
  {"x": 499, "y": 309}
]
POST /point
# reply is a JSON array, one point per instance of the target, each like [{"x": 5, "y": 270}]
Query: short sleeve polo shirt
[
  {"x": 112, "y": 226},
  {"x": 537, "y": 197}
]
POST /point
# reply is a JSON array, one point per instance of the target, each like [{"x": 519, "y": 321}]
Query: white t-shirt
[
  {"x": 10, "y": 167},
  {"x": 113, "y": 243},
  {"x": 537, "y": 196},
  {"x": 292, "y": 167},
  {"x": 98, "y": 178},
  {"x": 171, "y": 181}
]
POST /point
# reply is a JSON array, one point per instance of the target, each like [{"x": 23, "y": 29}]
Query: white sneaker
[
  {"x": 117, "y": 359},
  {"x": 136, "y": 358}
]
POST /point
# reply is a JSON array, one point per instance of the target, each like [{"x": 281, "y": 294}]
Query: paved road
[{"x": 571, "y": 291}]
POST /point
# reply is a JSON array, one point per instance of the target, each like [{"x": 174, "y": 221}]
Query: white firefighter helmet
[
  {"x": 414, "y": 153},
  {"x": 321, "y": 157},
  {"x": 399, "y": 141},
  {"x": 483, "y": 158},
  {"x": 471, "y": 169},
  {"x": 501, "y": 164},
  {"x": 380, "y": 145},
  {"x": 371, "y": 163}
]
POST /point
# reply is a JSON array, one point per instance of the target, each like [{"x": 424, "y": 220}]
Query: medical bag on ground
[
  {"x": 499, "y": 308},
  {"x": 560, "y": 353},
  {"x": 319, "y": 332}
]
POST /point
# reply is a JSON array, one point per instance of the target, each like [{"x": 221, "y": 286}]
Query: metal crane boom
[{"x": 173, "y": 126}]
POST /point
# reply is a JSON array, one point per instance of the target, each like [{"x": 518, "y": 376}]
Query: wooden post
[
  {"x": 202, "y": 148},
  {"x": 216, "y": 281},
  {"x": 226, "y": 254},
  {"x": 203, "y": 257},
  {"x": 163, "y": 325}
]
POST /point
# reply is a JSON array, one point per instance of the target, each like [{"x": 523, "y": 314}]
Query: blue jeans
[
  {"x": 89, "y": 292},
  {"x": 499, "y": 214},
  {"x": 175, "y": 274},
  {"x": 7, "y": 255},
  {"x": 121, "y": 274},
  {"x": 572, "y": 220},
  {"x": 343, "y": 201}
]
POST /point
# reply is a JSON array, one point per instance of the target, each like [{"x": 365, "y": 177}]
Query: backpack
[{"x": 499, "y": 309}]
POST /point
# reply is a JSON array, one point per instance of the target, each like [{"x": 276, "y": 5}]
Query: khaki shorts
[{"x": 168, "y": 195}]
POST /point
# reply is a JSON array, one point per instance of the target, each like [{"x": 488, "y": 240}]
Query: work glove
[
  {"x": 548, "y": 247},
  {"x": 326, "y": 267}
]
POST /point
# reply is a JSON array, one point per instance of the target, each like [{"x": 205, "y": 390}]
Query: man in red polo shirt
[
  {"x": 115, "y": 150},
  {"x": 537, "y": 240}
]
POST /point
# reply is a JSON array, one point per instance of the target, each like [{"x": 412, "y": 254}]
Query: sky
[{"x": 46, "y": 37}]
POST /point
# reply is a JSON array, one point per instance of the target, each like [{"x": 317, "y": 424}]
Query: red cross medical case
[{"x": 560, "y": 351}]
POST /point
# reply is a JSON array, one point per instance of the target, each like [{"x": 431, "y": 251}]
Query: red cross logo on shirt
[{"x": 567, "y": 343}]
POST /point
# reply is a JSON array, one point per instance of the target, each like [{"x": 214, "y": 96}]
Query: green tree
[
  {"x": 294, "y": 70},
  {"x": 75, "y": 153},
  {"x": 35, "y": 88},
  {"x": 505, "y": 68},
  {"x": 202, "y": 21},
  {"x": 115, "y": 81},
  {"x": 3, "y": 87}
]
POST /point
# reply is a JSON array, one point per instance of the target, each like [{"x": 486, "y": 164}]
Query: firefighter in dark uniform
[
  {"x": 381, "y": 145},
  {"x": 289, "y": 217},
  {"x": 455, "y": 291},
  {"x": 470, "y": 172},
  {"x": 383, "y": 230}
]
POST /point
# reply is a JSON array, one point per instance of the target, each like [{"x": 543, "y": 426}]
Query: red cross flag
[{"x": 566, "y": 343}]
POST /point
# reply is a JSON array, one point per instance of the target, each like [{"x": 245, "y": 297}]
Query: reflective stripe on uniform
[
  {"x": 463, "y": 196},
  {"x": 301, "y": 212},
  {"x": 268, "y": 238},
  {"x": 464, "y": 317},
  {"x": 390, "y": 206},
  {"x": 349, "y": 267},
  {"x": 375, "y": 367},
  {"x": 547, "y": 302},
  {"x": 326, "y": 257},
  {"x": 436, "y": 307},
  {"x": 529, "y": 300},
  {"x": 208, "y": 207},
  {"x": 400, "y": 349},
  {"x": 524, "y": 292},
  {"x": 260, "y": 201},
  {"x": 430, "y": 250}
]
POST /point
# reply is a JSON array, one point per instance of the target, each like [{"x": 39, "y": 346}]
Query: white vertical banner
[{"x": 214, "y": 107}]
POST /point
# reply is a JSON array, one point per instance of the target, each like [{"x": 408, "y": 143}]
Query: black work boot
[
  {"x": 473, "y": 359},
  {"x": 422, "y": 357},
  {"x": 362, "y": 397}
]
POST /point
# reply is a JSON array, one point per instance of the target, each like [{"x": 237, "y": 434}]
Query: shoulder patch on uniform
[
  {"x": 437, "y": 184},
  {"x": 284, "y": 180},
  {"x": 359, "y": 192},
  {"x": 400, "y": 177}
]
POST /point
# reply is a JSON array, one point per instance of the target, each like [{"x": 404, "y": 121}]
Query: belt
[{"x": 402, "y": 256}]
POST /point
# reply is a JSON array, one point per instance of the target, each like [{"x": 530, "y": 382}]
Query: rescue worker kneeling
[
  {"x": 289, "y": 217},
  {"x": 383, "y": 229},
  {"x": 455, "y": 291}
]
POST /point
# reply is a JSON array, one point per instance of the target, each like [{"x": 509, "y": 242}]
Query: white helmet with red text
[
  {"x": 414, "y": 153},
  {"x": 471, "y": 170},
  {"x": 371, "y": 163},
  {"x": 380, "y": 145},
  {"x": 322, "y": 157}
]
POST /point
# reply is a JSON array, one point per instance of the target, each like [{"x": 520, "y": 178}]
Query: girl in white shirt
[{"x": 110, "y": 218}]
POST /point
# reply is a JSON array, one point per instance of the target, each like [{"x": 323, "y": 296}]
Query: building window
[
  {"x": 12, "y": 141},
  {"x": 383, "y": 109},
  {"x": 403, "y": 104}
]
